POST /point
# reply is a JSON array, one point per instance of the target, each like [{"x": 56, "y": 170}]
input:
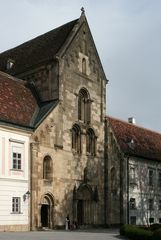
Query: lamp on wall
[{"x": 26, "y": 195}]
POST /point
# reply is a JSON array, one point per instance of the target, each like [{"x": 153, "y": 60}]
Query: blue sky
[{"x": 128, "y": 39}]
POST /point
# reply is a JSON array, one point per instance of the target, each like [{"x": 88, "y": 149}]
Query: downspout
[
  {"x": 127, "y": 189},
  {"x": 58, "y": 74},
  {"x": 105, "y": 172},
  {"x": 31, "y": 158}
]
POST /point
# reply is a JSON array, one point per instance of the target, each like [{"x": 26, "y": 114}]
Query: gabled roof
[
  {"x": 135, "y": 140},
  {"x": 40, "y": 49},
  {"x": 18, "y": 105}
]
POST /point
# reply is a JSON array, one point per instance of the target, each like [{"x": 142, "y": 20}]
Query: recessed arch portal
[
  {"x": 85, "y": 207},
  {"x": 47, "y": 210}
]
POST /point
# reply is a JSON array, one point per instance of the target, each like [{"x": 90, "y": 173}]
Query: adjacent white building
[
  {"x": 17, "y": 106},
  {"x": 144, "y": 191},
  {"x": 14, "y": 180}
]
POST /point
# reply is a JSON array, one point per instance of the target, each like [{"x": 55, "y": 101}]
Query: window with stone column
[
  {"x": 91, "y": 142},
  {"x": 76, "y": 138},
  {"x": 84, "y": 106}
]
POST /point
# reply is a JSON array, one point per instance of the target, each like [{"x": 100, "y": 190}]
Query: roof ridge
[
  {"x": 33, "y": 52},
  {"x": 4, "y": 74},
  {"x": 39, "y": 36},
  {"x": 134, "y": 125}
]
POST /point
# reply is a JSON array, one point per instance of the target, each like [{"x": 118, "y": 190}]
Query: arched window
[
  {"x": 84, "y": 106},
  {"x": 76, "y": 138},
  {"x": 91, "y": 142},
  {"x": 84, "y": 66},
  {"x": 47, "y": 168}
]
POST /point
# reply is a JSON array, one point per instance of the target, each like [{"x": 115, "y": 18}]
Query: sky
[{"x": 127, "y": 34}]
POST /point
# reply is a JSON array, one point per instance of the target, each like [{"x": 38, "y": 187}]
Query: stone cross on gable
[{"x": 82, "y": 10}]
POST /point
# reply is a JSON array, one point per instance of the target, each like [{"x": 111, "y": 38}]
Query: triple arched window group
[{"x": 84, "y": 116}]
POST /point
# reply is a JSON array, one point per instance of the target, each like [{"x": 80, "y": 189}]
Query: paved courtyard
[{"x": 103, "y": 234}]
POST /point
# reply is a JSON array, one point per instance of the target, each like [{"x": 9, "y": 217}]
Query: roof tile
[
  {"x": 145, "y": 143},
  {"x": 40, "y": 49},
  {"x": 17, "y": 103}
]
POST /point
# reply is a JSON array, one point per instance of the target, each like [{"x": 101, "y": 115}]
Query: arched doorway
[
  {"x": 84, "y": 204},
  {"x": 45, "y": 215},
  {"x": 80, "y": 211},
  {"x": 46, "y": 211}
]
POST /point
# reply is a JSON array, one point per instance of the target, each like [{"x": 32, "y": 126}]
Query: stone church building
[
  {"x": 63, "y": 71},
  {"x": 59, "y": 153}
]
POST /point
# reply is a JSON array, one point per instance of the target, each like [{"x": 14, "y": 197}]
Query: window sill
[
  {"x": 83, "y": 123},
  {"x": 90, "y": 155},
  {"x": 16, "y": 213},
  {"x": 47, "y": 180},
  {"x": 16, "y": 170},
  {"x": 75, "y": 152}
]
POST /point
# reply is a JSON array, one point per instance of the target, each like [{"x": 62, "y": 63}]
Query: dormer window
[{"x": 10, "y": 64}]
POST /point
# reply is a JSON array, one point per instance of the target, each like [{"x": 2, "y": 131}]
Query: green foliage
[
  {"x": 124, "y": 228},
  {"x": 157, "y": 234},
  {"x": 155, "y": 226},
  {"x": 135, "y": 233}
]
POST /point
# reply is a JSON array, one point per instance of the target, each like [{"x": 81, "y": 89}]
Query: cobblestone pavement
[{"x": 94, "y": 234}]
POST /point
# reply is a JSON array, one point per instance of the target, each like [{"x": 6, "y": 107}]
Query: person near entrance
[{"x": 67, "y": 223}]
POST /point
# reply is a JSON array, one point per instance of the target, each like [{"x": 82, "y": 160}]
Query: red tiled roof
[
  {"x": 40, "y": 49},
  {"x": 17, "y": 103},
  {"x": 146, "y": 143}
]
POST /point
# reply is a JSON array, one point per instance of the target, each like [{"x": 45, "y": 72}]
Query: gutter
[
  {"x": 15, "y": 125},
  {"x": 105, "y": 172},
  {"x": 127, "y": 189}
]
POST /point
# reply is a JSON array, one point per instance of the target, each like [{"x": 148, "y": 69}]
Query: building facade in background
[{"x": 133, "y": 174}]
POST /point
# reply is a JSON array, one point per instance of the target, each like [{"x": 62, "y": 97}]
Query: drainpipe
[
  {"x": 128, "y": 189},
  {"x": 105, "y": 172},
  {"x": 57, "y": 59},
  {"x": 31, "y": 158}
]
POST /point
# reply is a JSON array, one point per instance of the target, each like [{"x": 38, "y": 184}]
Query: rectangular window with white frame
[
  {"x": 151, "y": 204},
  {"x": 16, "y": 205},
  {"x": 159, "y": 179},
  {"x": 17, "y": 160},
  {"x": 151, "y": 220},
  {"x": 151, "y": 177},
  {"x": 159, "y": 205},
  {"x": 17, "y": 155},
  {"x": 133, "y": 220},
  {"x": 132, "y": 174},
  {"x": 132, "y": 203}
]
